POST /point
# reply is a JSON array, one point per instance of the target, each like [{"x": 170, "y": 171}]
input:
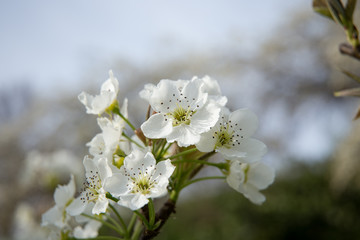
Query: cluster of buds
[{"x": 189, "y": 123}]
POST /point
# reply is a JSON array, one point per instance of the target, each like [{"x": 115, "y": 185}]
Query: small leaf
[
  {"x": 355, "y": 92},
  {"x": 321, "y": 7},
  {"x": 338, "y": 12},
  {"x": 351, "y": 75},
  {"x": 357, "y": 116},
  {"x": 350, "y": 7}
]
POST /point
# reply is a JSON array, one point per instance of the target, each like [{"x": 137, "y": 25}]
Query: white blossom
[
  {"x": 139, "y": 179},
  {"x": 248, "y": 179},
  {"x": 104, "y": 144},
  {"x": 97, "y": 171},
  {"x": 57, "y": 215},
  {"x": 212, "y": 88},
  {"x": 231, "y": 137},
  {"x": 182, "y": 112},
  {"x": 99, "y": 103}
]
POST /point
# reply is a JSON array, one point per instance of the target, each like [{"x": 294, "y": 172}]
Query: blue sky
[{"x": 50, "y": 43}]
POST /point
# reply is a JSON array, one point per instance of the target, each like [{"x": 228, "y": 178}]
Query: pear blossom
[
  {"x": 99, "y": 103},
  {"x": 63, "y": 196},
  {"x": 105, "y": 143},
  {"x": 89, "y": 230},
  {"x": 231, "y": 137},
  {"x": 212, "y": 88},
  {"x": 248, "y": 179},
  {"x": 139, "y": 179},
  {"x": 97, "y": 171},
  {"x": 182, "y": 112}
]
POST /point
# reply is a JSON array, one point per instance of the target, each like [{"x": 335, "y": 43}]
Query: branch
[
  {"x": 349, "y": 50},
  {"x": 162, "y": 215}
]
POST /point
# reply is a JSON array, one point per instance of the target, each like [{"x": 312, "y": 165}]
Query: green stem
[
  {"x": 183, "y": 153},
  {"x": 167, "y": 148},
  {"x": 159, "y": 156},
  {"x": 218, "y": 165},
  {"x": 124, "y": 227},
  {"x": 116, "y": 224},
  {"x": 131, "y": 140},
  {"x": 174, "y": 195},
  {"x": 100, "y": 238},
  {"x": 151, "y": 213},
  {"x": 156, "y": 146},
  {"x": 103, "y": 222},
  {"x": 207, "y": 155},
  {"x": 117, "y": 111},
  {"x": 137, "y": 231},
  {"x": 109, "y": 196},
  {"x": 143, "y": 219},
  {"x": 201, "y": 179},
  {"x": 132, "y": 222}
]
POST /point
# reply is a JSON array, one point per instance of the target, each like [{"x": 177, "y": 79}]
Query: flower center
[
  {"x": 142, "y": 184},
  {"x": 226, "y": 136},
  {"x": 92, "y": 188},
  {"x": 181, "y": 116}
]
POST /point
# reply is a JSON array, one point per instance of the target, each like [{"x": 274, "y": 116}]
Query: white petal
[
  {"x": 236, "y": 176},
  {"x": 101, "y": 102},
  {"x": 156, "y": 126},
  {"x": 90, "y": 166},
  {"x": 207, "y": 142},
  {"x": 252, "y": 193},
  {"x": 103, "y": 122},
  {"x": 134, "y": 201},
  {"x": 124, "y": 108},
  {"x": 110, "y": 85},
  {"x": 231, "y": 153},
  {"x": 77, "y": 206},
  {"x": 184, "y": 135},
  {"x": 88, "y": 211},
  {"x": 246, "y": 120},
  {"x": 147, "y": 91},
  {"x": 211, "y": 86},
  {"x": 90, "y": 230},
  {"x": 97, "y": 145},
  {"x": 260, "y": 175},
  {"x": 85, "y": 98},
  {"x": 193, "y": 90},
  {"x": 65, "y": 193},
  {"x": 116, "y": 185},
  {"x": 164, "y": 168},
  {"x": 138, "y": 159},
  {"x": 104, "y": 169},
  {"x": 250, "y": 150},
  {"x": 111, "y": 137},
  {"x": 219, "y": 100},
  {"x": 164, "y": 91},
  {"x": 205, "y": 118},
  {"x": 53, "y": 216},
  {"x": 100, "y": 205},
  {"x": 160, "y": 189}
]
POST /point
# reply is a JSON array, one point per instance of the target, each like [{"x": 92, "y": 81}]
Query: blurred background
[{"x": 276, "y": 57}]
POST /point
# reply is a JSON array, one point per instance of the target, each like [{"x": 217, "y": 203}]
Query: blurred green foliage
[{"x": 300, "y": 205}]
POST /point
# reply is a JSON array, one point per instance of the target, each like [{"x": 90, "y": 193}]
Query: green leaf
[
  {"x": 350, "y": 7},
  {"x": 355, "y": 92},
  {"x": 351, "y": 75},
  {"x": 338, "y": 12},
  {"x": 321, "y": 7}
]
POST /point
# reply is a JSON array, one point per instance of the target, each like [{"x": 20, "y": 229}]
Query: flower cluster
[{"x": 189, "y": 123}]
